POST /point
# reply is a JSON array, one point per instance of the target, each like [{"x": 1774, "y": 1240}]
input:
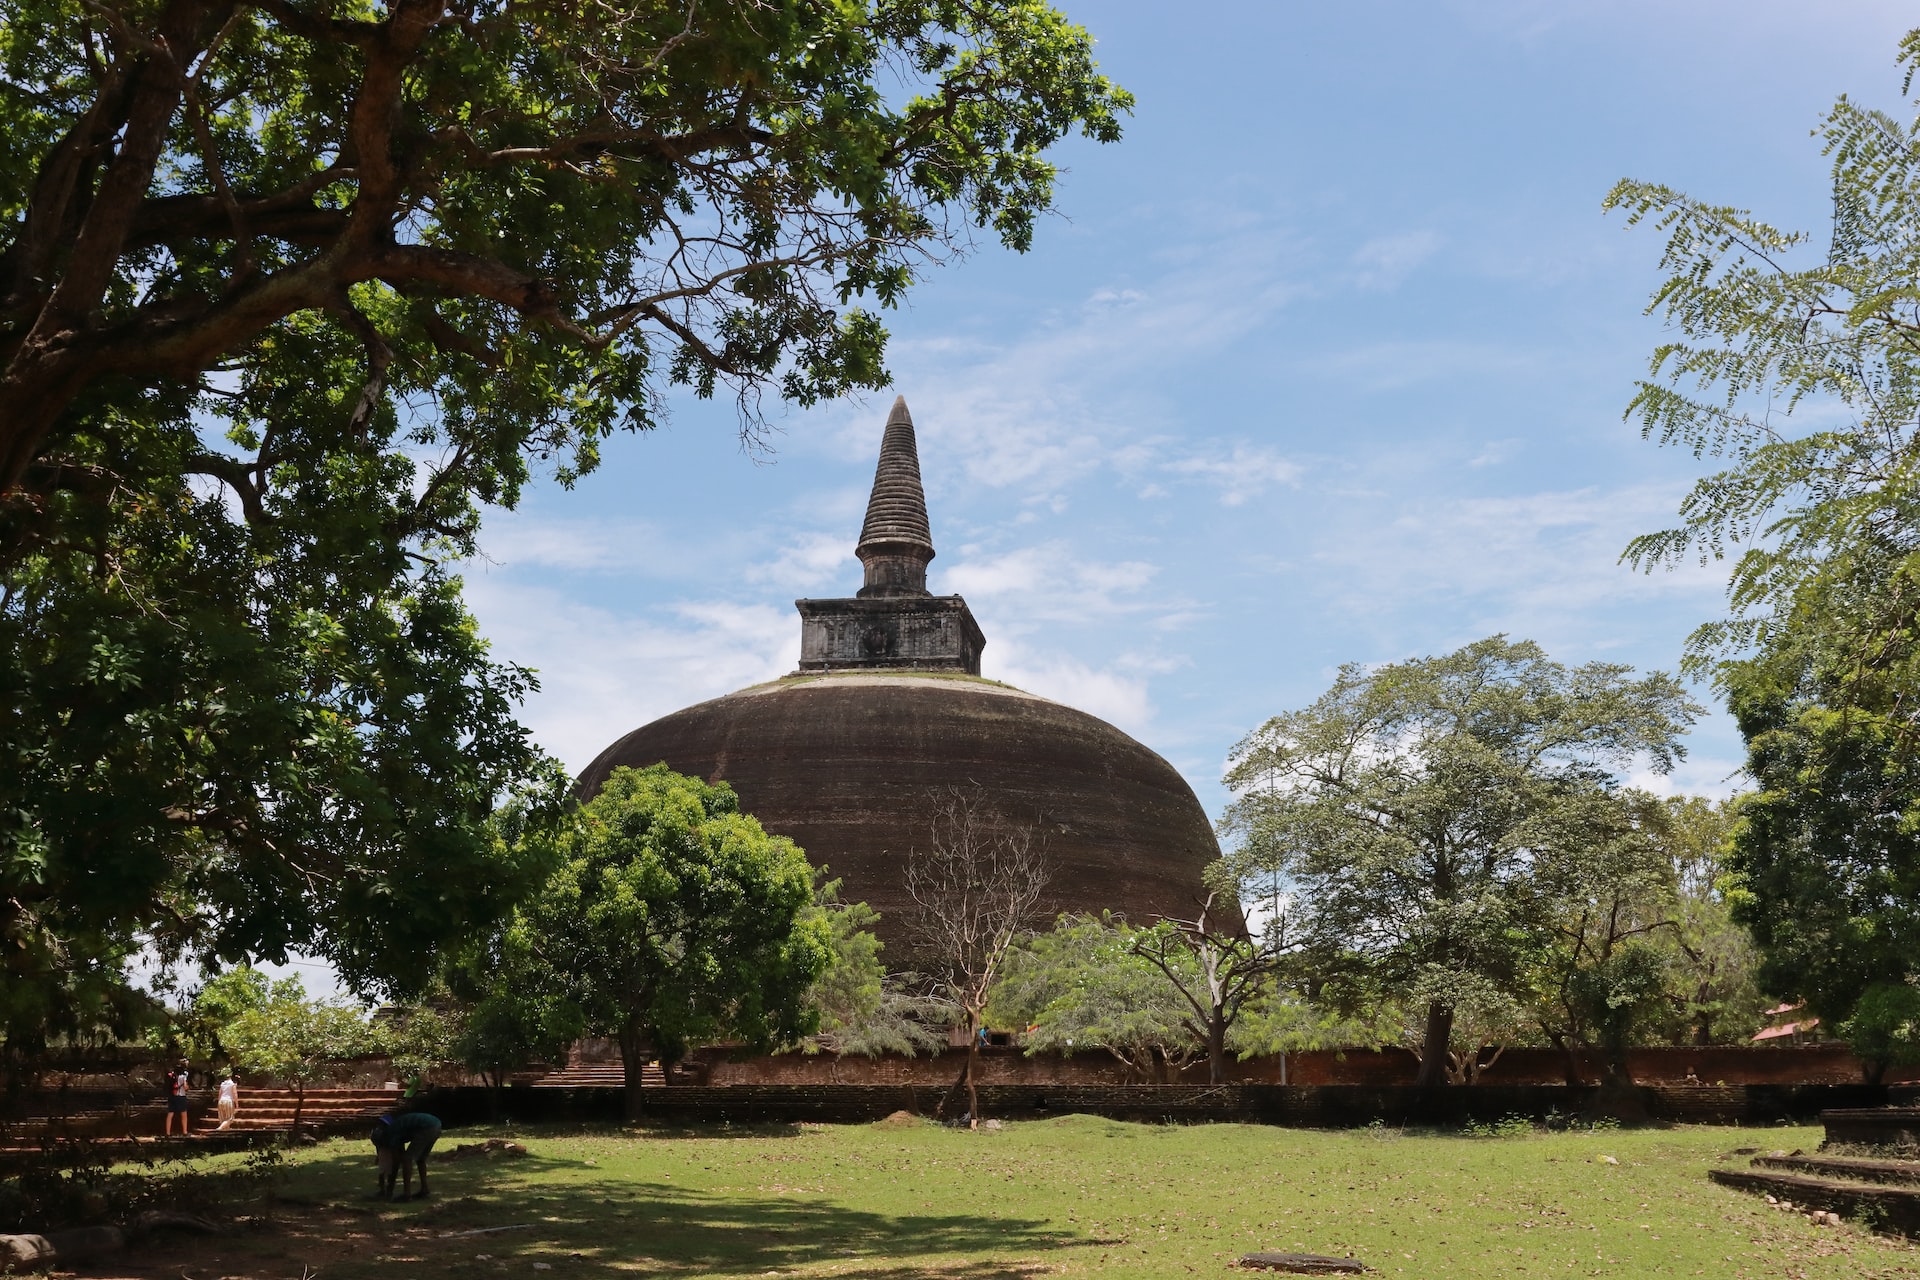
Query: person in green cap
[{"x": 400, "y": 1145}]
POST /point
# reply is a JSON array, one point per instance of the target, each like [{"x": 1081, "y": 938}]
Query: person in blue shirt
[{"x": 400, "y": 1145}]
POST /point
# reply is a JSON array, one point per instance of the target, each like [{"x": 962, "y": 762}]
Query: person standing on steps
[
  {"x": 229, "y": 1099},
  {"x": 178, "y": 1086}
]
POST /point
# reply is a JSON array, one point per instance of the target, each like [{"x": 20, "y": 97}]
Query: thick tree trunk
[
  {"x": 1570, "y": 1061},
  {"x": 1216, "y": 1049},
  {"x": 634, "y": 1045},
  {"x": 1433, "y": 1047},
  {"x": 1619, "y": 1074}
]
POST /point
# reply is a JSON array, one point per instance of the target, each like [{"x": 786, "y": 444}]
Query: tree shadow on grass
[{"x": 631, "y": 1227}]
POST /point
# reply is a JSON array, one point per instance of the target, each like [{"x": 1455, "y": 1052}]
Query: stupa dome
[{"x": 888, "y": 712}]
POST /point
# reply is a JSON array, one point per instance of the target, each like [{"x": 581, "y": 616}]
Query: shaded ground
[{"x": 1074, "y": 1196}]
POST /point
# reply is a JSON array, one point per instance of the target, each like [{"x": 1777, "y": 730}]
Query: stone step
[
  {"x": 599, "y": 1075},
  {"x": 1846, "y": 1168},
  {"x": 325, "y": 1095},
  {"x": 287, "y": 1109},
  {"x": 1895, "y": 1210}
]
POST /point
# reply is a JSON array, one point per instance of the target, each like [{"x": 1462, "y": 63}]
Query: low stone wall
[
  {"x": 1730, "y": 1065},
  {"x": 1307, "y": 1106},
  {"x": 1894, "y": 1126}
]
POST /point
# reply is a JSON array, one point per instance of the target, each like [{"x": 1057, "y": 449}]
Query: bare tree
[
  {"x": 1225, "y": 971},
  {"x": 974, "y": 885}
]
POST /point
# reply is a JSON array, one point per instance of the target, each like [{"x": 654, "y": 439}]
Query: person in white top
[{"x": 229, "y": 1099}]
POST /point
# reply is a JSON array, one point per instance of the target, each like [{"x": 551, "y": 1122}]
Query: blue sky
[{"x": 1324, "y": 362}]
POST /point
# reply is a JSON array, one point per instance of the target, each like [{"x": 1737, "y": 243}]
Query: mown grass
[{"x": 1071, "y": 1196}]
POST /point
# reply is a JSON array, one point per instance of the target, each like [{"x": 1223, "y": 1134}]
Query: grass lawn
[{"x": 1071, "y": 1196}]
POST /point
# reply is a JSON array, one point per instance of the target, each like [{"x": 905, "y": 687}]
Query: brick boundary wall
[
  {"x": 1299, "y": 1106},
  {"x": 1825, "y": 1063}
]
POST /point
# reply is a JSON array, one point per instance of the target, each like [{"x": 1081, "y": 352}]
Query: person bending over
[{"x": 400, "y": 1145}]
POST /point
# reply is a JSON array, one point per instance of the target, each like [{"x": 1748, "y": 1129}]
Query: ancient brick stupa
[{"x": 888, "y": 710}]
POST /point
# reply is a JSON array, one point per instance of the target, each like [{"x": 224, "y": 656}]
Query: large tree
[
  {"x": 1609, "y": 907},
  {"x": 1412, "y": 807},
  {"x": 297, "y": 1040},
  {"x": 1714, "y": 995},
  {"x": 1797, "y": 359},
  {"x": 1214, "y": 969},
  {"x": 672, "y": 919},
  {"x": 1825, "y": 855},
  {"x": 524, "y": 209},
  {"x": 289, "y": 291}
]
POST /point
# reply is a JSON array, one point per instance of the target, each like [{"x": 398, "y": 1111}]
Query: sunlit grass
[{"x": 1073, "y": 1196}]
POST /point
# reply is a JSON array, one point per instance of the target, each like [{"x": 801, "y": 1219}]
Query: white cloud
[
  {"x": 1390, "y": 366},
  {"x": 1050, "y": 582},
  {"x": 1115, "y": 695},
  {"x": 519, "y": 540},
  {"x": 1245, "y": 472},
  {"x": 1711, "y": 776},
  {"x": 1384, "y": 261},
  {"x": 604, "y": 672},
  {"x": 1493, "y": 453},
  {"x": 806, "y": 561},
  {"x": 1543, "y": 565},
  {"x": 1083, "y": 389}
]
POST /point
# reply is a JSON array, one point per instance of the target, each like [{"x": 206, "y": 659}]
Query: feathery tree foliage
[
  {"x": 864, "y": 1010},
  {"x": 1799, "y": 363},
  {"x": 1082, "y": 986},
  {"x": 289, "y": 291},
  {"x": 1418, "y": 809}
]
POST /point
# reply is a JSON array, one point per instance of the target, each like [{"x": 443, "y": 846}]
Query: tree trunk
[
  {"x": 1216, "y": 1049},
  {"x": 634, "y": 1044},
  {"x": 1619, "y": 1074},
  {"x": 299, "y": 1105},
  {"x": 973, "y": 1057},
  {"x": 493, "y": 1079},
  {"x": 1433, "y": 1047},
  {"x": 1571, "y": 1061}
]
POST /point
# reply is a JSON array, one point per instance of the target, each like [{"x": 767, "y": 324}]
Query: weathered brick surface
[
  {"x": 1867, "y": 1126},
  {"x": 1310, "y": 1106},
  {"x": 1731, "y": 1065}
]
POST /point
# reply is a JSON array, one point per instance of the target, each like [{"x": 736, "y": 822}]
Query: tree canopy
[
  {"x": 1797, "y": 360},
  {"x": 529, "y": 211},
  {"x": 1415, "y": 808},
  {"x": 290, "y": 291},
  {"x": 672, "y": 919}
]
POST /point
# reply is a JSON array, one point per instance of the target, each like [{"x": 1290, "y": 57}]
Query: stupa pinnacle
[
  {"x": 896, "y": 542},
  {"x": 894, "y": 622}
]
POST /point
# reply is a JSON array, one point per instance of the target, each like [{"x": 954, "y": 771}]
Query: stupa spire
[
  {"x": 895, "y": 541},
  {"x": 894, "y": 623}
]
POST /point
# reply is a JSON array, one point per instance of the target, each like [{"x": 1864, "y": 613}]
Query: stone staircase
[
  {"x": 1883, "y": 1194},
  {"x": 324, "y": 1110},
  {"x": 599, "y": 1075}
]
